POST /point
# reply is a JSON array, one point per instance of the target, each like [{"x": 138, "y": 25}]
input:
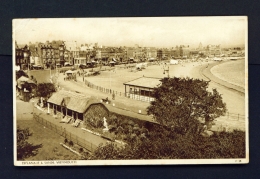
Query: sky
[{"x": 146, "y": 32}]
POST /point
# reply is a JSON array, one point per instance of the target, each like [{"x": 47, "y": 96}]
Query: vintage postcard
[{"x": 130, "y": 91}]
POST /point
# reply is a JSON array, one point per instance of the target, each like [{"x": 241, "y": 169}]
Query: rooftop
[
  {"x": 22, "y": 80},
  {"x": 73, "y": 101},
  {"x": 80, "y": 103},
  {"x": 147, "y": 82}
]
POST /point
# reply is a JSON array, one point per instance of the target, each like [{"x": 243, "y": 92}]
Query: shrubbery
[
  {"x": 164, "y": 144},
  {"x": 25, "y": 149},
  {"x": 120, "y": 127}
]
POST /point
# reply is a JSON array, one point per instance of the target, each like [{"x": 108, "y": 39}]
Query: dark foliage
[
  {"x": 71, "y": 143},
  {"x": 45, "y": 89},
  {"x": 24, "y": 148},
  {"x": 180, "y": 107},
  {"x": 65, "y": 140},
  {"x": 27, "y": 86},
  {"x": 164, "y": 144},
  {"x": 21, "y": 73},
  {"x": 181, "y": 102}
]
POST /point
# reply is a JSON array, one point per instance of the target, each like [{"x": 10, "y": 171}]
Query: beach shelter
[
  {"x": 37, "y": 67},
  {"x": 112, "y": 63},
  {"x": 174, "y": 62},
  {"x": 131, "y": 60},
  {"x": 67, "y": 64},
  {"x": 139, "y": 66},
  {"x": 69, "y": 72},
  {"x": 151, "y": 59},
  {"x": 217, "y": 59},
  {"x": 76, "y": 106}
]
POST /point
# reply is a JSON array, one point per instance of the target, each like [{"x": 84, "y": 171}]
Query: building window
[
  {"x": 136, "y": 91},
  {"x": 145, "y": 93}
]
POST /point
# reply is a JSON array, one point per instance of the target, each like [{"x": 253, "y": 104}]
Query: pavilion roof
[
  {"x": 73, "y": 101},
  {"x": 80, "y": 103},
  {"x": 146, "y": 82},
  {"x": 131, "y": 114}
]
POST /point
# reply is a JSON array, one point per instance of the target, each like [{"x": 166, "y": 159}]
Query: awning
[
  {"x": 17, "y": 68},
  {"x": 37, "y": 66},
  {"x": 70, "y": 72},
  {"x": 91, "y": 61}
]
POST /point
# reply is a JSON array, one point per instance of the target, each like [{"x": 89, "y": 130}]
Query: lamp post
[
  {"x": 48, "y": 112},
  {"x": 50, "y": 72},
  {"x": 110, "y": 77},
  {"x": 26, "y": 59},
  {"x": 166, "y": 70},
  {"x": 33, "y": 106}
]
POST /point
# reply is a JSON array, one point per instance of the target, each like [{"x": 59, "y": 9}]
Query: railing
[
  {"x": 117, "y": 93},
  {"x": 104, "y": 90},
  {"x": 66, "y": 134},
  {"x": 233, "y": 117},
  {"x": 231, "y": 121}
]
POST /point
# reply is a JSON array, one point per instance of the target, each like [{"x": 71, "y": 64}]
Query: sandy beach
[
  {"x": 231, "y": 71},
  {"x": 114, "y": 79}
]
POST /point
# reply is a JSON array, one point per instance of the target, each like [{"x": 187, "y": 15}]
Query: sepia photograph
[{"x": 130, "y": 91}]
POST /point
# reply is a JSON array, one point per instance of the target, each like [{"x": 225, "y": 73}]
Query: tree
[
  {"x": 180, "y": 103},
  {"x": 27, "y": 86},
  {"x": 24, "y": 148},
  {"x": 21, "y": 73},
  {"x": 45, "y": 89},
  {"x": 163, "y": 143}
]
